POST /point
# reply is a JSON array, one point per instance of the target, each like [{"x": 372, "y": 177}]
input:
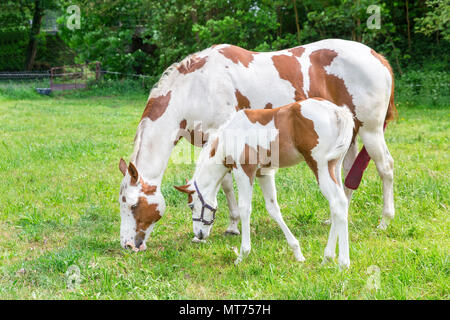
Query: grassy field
[{"x": 59, "y": 183}]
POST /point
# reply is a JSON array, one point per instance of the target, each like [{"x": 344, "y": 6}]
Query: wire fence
[{"x": 39, "y": 75}]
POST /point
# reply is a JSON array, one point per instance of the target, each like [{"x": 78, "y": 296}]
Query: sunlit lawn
[{"x": 59, "y": 183}]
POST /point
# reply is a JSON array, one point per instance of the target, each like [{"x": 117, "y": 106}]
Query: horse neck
[
  {"x": 208, "y": 175},
  {"x": 153, "y": 146}
]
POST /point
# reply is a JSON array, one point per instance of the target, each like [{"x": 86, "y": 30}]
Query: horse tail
[{"x": 344, "y": 137}]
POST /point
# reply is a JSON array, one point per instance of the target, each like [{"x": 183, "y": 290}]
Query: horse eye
[
  {"x": 191, "y": 205},
  {"x": 134, "y": 206}
]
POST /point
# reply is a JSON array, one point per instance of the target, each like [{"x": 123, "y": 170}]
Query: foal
[{"x": 255, "y": 143}]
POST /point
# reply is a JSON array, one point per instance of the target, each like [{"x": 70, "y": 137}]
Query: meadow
[{"x": 59, "y": 183}]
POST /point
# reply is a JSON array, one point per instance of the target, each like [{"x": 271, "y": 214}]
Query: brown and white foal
[{"x": 256, "y": 143}]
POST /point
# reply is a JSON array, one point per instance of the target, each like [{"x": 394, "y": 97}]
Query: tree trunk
[
  {"x": 194, "y": 21},
  {"x": 408, "y": 26},
  {"x": 35, "y": 29},
  {"x": 296, "y": 22}
]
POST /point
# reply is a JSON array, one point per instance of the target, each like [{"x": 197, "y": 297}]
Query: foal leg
[
  {"x": 378, "y": 151},
  {"x": 267, "y": 184},
  {"x": 227, "y": 186},
  {"x": 245, "y": 191},
  {"x": 338, "y": 175},
  {"x": 339, "y": 217}
]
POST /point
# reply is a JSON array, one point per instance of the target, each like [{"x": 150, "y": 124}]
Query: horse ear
[
  {"x": 133, "y": 173},
  {"x": 184, "y": 189},
  {"x": 123, "y": 166}
]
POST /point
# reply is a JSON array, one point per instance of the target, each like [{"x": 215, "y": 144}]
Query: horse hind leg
[
  {"x": 333, "y": 191},
  {"x": 378, "y": 151}
]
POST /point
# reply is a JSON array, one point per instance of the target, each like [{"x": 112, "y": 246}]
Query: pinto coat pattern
[
  {"x": 257, "y": 142},
  {"x": 208, "y": 87}
]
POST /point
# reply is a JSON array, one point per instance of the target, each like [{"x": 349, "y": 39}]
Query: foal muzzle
[{"x": 204, "y": 206}]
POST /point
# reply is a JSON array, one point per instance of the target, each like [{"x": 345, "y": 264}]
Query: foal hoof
[
  {"x": 232, "y": 232},
  {"x": 344, "y": 265},
  {"x": 383, "y": 224}
]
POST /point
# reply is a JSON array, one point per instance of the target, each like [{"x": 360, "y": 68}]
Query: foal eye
[
  {"x": 191, "y": 205},
  {"x": 134, "y": 206}
]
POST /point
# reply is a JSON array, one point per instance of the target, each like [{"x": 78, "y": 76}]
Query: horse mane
[{"x": 159, "y": 88}]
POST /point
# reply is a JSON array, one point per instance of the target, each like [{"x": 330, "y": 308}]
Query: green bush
[{"x": 423, "y": 88}]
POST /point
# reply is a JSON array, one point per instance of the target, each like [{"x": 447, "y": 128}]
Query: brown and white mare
[{"x": 208, "y": 87}]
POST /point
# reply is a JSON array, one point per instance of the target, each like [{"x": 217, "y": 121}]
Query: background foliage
[{"x": 146, "y": 36}]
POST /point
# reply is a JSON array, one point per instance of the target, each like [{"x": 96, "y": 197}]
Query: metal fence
[{"x": 73, "y": 77}]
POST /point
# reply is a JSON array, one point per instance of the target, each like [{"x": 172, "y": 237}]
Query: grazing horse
[
  {"x": 314, "y": 130},
  {"x": 199, "y": 94}
]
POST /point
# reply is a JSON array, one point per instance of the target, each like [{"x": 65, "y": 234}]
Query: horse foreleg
[
  {"x": 268, "y": 188},
  {"x": 227, "y": 186},
  {"x": 245, "y": 191}
]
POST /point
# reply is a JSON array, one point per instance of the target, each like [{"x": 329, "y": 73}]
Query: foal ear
[
  {"x": 184, "y": 189},
  {"x": 133, "y": 173},
  {"x": 123, "y": 166}
]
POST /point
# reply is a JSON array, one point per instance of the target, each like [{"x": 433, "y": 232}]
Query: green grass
[{"x": 60, "y": 181}]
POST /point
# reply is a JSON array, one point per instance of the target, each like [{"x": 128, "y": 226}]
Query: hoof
[
  {"x": 327, "y": 260},
  {"x": 232, "y": 233},
  {"x": 344, "y": 265},
  {"x": 383, "y": 225},
  {"x": 197, "y": 240},
  {"x": 326, "y": 222},
  {"x": 300, "y": 258}
]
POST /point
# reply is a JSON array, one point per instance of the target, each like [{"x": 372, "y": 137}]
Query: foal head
[
  {"x": 203, "y": 214},
  {"x": 141, "y": 206}
]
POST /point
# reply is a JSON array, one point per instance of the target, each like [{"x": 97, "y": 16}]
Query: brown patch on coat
[
  {"x": 263, "y": 116},
  {"x": 268, "y": 106},
  {"x": 195, "y": 136},
  {"x": 264, "y": 156},
  {"x": 332, "y": 169},
  {"x": 296, "y": 135},
  {"x": 249, "y": 162},
  {"x": 229, "y": 162},
  {"x": 156, "y": 106},
  {"x": 237, "y": 54},
  {"x": 192, "y": 64},
  {"x": 183, "y": 125},
  {"x": 329, "y": 86},
  {"x": 297, "y": 51},
  {"x": 214, "y": 148},
  {"x": 145, "y": 214},
  {"x": 146, "y": 188},
  {"x": 289, "y": 69},
  {"x": 392, "y": 112},
  {"x": 124, "y": 199},
  {"x": 242, "y": 101}
]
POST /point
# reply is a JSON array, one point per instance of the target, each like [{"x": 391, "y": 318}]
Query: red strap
[{"x": 355, "y": 174}]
